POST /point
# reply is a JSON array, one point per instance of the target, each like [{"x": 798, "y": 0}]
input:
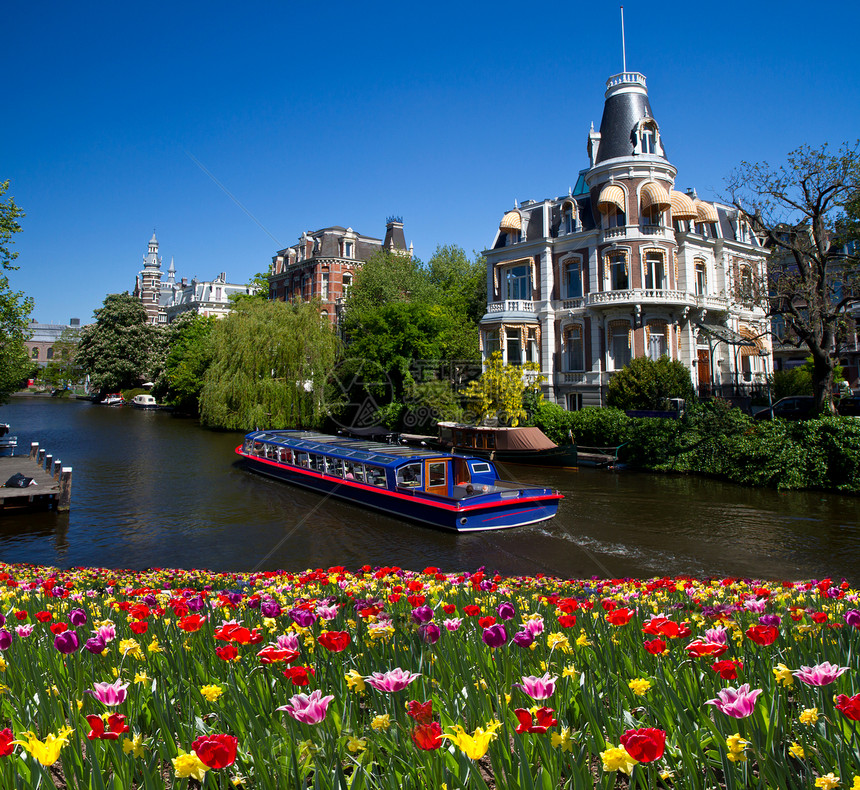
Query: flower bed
[{"x": 386, "y": 678}]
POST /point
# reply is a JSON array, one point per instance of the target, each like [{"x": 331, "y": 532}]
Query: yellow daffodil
[
  {"x": 827, "y": 782},
  {"x": 796, "y": 750},
  {"x": 140, "y": 677},
  {"x": 736, "y": 745},
  {"x": 189, "y": 765},
  {"x": 211, "y": 693},
  {"x": 474, "y": 746},
  {"x": 639, "y": 686},
  {"x": 855, "y": 785},
  {"x": 2, "y": 664},
  {"x": 354, "y": 681},
  {"x": 582, "y": 639},
  {"x": 355, "y": 744},
  {"x": 558, "y": 641},
  {"x": 131, "y": 647},
  {"x": 809, "y": 716},
  {"x": 381, "y": 721},
  {"x": 569, "y": 671},
  {"x": 133, "y": 745},
  {"x": 154, "y": 647},
  {"x": 48, "y": 751},
  {"x": 562, "y": 740},
  {"x": 616, "y": 758},
  {"x": 783, "y": 675}
]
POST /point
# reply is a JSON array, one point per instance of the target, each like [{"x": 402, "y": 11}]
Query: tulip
[
  {"x": 5, "y": 639},
  {"x": 452, "y": 623},
  {"x": 820, "y": 675},
  {"x": 67, "y": 642},
  {"x": 506, "y": 610},
  {"x": 116, "y": 726},
  {"x": 24, "y": 631},
  {"x": 738, "y": 703},
  {"x": 543, "y": 720},
  {"x": 268, "y": 609},
  {"x": 523, "y": 639},
  {"x": 215, "y": 751},
  {"x": 422, "y": 614},
  {"x": 302, "y": 617},
  {"x": 308, "y": 709},
  {"x": 538, "y": 688},
  {"x": 288, "y": 642},
  {"x": 427, "y": 737},
  {"x": 644, "y": 745},
  {"x": 849, "y": 706},
  {"x": 77, "y": 617},
  {"x": 109, "y": 693},
  {"x": 762, "y": 634},
  {"x": 422, "y": 712},
  {"x": 95, "y": 645},
  {"x": 391, "y": 681},
  {"x": 334, "y": 641},
  {"x": 48, "y": 751},
  {"x": 429, "y": 633},
  {"x": 495, "y": 636},
  {"x": 6, "y": 746},
  {"x": 475, "y": 745},
  {"x": 852, "y": 618}
]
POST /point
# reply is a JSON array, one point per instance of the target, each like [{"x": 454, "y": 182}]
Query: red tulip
[
  {"x": 191, "y": 623},
  {"x": 215, "y": 751},
  {"x": 655, "y": 646},
  {"x": 763, "y": 634},
  {"x": 422, "y": 712},
  {"x": 567, "y": 620},
  {"x": 644, "y": 745},
  {"x": 619, "y": 617},
  {"x": 335, "y": 641},
  {"x": 543, "y": 720},
  {"x": 698, "y": 648},
  {"x": 300, "y": 676},
  {"x": 6, "y": 738},
  {"x": 271, "y": 655},
  {"x": 116, "y": 726},
  {"x": 427, "y": 736},
  {"x": 227, "y": 653},
  {"x": 727, "y": 669},
  {"x": 138, "y": 626},
  {"x": 850, "y": 706}
]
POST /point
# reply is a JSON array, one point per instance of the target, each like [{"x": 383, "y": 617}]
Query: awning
[
  {"x": 682, "y": 206},
  {"x": 511, "y": 221},
  {"x": 653, "y": 194},
  {"x": 751, "y": 337},
  {"x": 611, "y": 195},
  {"x": 725, "y": 334},
  {"x": 707, "y": 212}
]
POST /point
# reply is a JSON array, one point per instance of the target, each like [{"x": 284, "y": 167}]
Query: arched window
[
  {"x": 648, "y": 138},
  {"x": 655, "y": 270},
  {"x": 574, "y": 355},
  {"x": 50, "y": 353},
  {"x": 347, "y": 283},
  {"x": 656, "y": 339},
  {"x": 35, "y": 353},
  {"x": 701, "y": 278},
  {"x": 572, "y": 278},
  {"x": 619, "y": 275},
  {"x": 619, "y": 343},
  {"x": 746, "y": 286}
]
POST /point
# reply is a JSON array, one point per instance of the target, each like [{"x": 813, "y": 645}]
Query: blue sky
[{"x": 346, "y": 113}]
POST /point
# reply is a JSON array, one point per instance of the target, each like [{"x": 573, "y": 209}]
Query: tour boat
[
  {"x": 454, "y": 492},
  {"x": 520, "y": 445},
  {"x": 114, "y": 399},
  {"x": 144, "y": 402}
]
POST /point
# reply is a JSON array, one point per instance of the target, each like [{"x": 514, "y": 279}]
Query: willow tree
[{"x": 270, "y": 363}]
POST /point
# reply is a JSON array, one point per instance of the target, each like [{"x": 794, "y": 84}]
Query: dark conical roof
[{"x": 625, "y": 106}]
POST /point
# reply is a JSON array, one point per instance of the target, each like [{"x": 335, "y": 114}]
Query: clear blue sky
[{"x": 344, "y": 113}]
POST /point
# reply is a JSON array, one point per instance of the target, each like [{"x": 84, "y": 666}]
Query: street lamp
[{"x": 764, "y": 354}]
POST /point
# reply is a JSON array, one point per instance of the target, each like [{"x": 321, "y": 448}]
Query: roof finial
[{"x": 623, "y": 47}]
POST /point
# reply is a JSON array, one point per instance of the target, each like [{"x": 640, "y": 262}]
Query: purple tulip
[
  {"x": 58, "y": 592},
  {"x": 770, "y": 619},
  {"x": 270, "y": 609},
  {"x": 95, "y": 645},
  {"x": 302, "y": 617},
  {"x": 429, "y": 632},
  {"x": 852, "y": 618},
  {"x": 234, "y": 598},
  {"x": 150, "y": 600},
  {"x": 2, "y": 620},
  {"x": 506, "y": 610},
  {"x": 738, "y": 703},
  {"x": 196, "y": 603},
  {"x": 495, "y": 635},
  {"x": 67, "y": 642},
  {"x": 5, "y": 639},
  {"x": 422, "y": 614},
  {"x": 77, "y": 617},
  {"x": 253, "y": 603},
  {"x": 523, "y": 639}
]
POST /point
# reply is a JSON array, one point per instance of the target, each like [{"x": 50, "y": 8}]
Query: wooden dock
[{"x": 53, "y": 487}]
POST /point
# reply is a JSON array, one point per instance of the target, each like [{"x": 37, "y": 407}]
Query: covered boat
[
  {"x": 144, "y": 401},
  {"x": 454, "y": 492},
  {"x": 521, "y": 445}
]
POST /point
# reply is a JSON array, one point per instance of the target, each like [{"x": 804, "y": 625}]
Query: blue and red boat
[{"x": 455, "y": 492}]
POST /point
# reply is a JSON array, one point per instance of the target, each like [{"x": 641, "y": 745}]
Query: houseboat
[
  {"x": 144, "y": 401},
  {"x": 454, "y": 492},
  {"x": 521, "y": 445}
]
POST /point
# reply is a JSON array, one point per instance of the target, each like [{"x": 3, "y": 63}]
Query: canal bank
[{"x": 152, "y": 490}]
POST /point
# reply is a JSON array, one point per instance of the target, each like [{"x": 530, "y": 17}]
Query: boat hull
[
  {"x": 475, "y": 516},
  {"x": 560, "y": 458}
]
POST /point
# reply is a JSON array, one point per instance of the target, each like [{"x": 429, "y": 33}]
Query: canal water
[{"x": 152, "y": 490}]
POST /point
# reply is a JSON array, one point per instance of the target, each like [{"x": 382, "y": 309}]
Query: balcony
[
  {"x": 615, "y": 233},
  {"x": 718, "y": 303},
  {"x": 661, "y": 296},
  {"x": 584, "y": 378},
  {"x": 660, "y": 231},
  {"x": 512, "y": 306}
]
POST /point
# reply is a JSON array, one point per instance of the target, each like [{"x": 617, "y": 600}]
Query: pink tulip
[
  {"x": 288, "y": 641},
  {"x": 110, "y": 693},
  {"x": 538, "y": 688},
  {"x": 533, "y": 626},
  {"x": 716, "y": 636},
  {"x": 820, "y": 675},
  {"x": 453, "y": 623},
  {"x": 308, "y": 709},
  {"x": 394, "y": 680},
  {"x": 738, "y": 703},
  {"x": 107, "y": 632}
]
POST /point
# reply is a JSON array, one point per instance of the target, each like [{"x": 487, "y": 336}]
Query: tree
[
  {"x": 180, "y": 382},
  {"x": 460, "y": 283},
  {"x": 64, "y": 370},
  {"x": 15, "y": 308},
  {"x": 802, "y": 210},
  {"x": 384, "y": 278},
  {"x": 501, "y": 389},
  {"x": 270, "y": 363},
  {"x": 648, "y": 384},
  {"x": 259, "y": 286},
  {"x": 115, "y": 350}
]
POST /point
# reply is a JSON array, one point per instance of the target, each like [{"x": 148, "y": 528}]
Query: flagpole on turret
[{"x": 623, "y": 47}]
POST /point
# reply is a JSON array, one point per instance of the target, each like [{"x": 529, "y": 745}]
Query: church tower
[{"x": 147, "y": 285}]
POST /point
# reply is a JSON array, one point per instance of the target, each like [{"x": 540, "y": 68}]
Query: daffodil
[
  {"x": 616, "y": 758},
  {"x": 189, "y": 765},
  {"x": 381, "y": 721},
  {"x": 796, "y": 750},
  {"x": 356, "y": 744},
  {"x": 211, "y": 693},
  {"x": 639, "y": 686},
  {"x": 562, "y": 740},
  {"x": 827, "y": 782},
  {"x": 355, "y": 681},
  {"x": 809, "y": 716},
  {"x": 474, "y": 746},
  {"x": 133, "y": 745},
  {"x": 783, "y": 675},
  {"x": 736, "y": 745}
]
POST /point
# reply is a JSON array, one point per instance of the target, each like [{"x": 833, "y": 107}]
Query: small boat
[
  {"x": 114, "y": 399},
  {"x": 454, "y": 492},
  {"x": 521, "y": 445},
  {"x": 144, "y": 401},
  {"x": 7, "y": 443}
]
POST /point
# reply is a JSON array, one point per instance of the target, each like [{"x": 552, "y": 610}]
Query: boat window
[
  {"x": 436, "y": 474},
  {"x": 479, "y": 440},
  {"x": 247, "y": 445},
  {"x": 409, "y": 476},
  {"x": 480, "y": 469},
  {"x": 301, "y": 459},
  {"x": 285, "y": 456},
  {"x": 354, "y": 471},
  {"x": 375, "y": 476},
  {"x": 334, "y": 466},
  {"x": 491, "y": 441}
]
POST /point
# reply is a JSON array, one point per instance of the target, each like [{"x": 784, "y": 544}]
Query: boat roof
[
  {"x": 507, "y": 438},
  {"x": 344, "y": 447}
]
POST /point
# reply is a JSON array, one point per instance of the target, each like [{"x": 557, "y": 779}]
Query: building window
[
  {"x": 568, "y": 219},
  {"x": 574, "y": 401},
  {"x": 614, "y": 218},
  {"x": 619, "y": 276},
  {"x": 324, "y": 316},
  {"x": 746, "y": 286},
  {"x": 651, "y": 216},
  {"x": 574, "y": 353},
  {"x": 347, "y": 283},
  {"x": 648, "y": 137},
  {"x": 573, "y": 279},
  {"x": 348, "y": 249},
  {"x": 217, "y": 294},
  {"x": 518, "y": 282},
  {"x": 50, "y": 353},
  {"x": 513, "y": 347},
  {"x": 657, "y": 342},
  {"x": 531, "y": 344},
  {"x": 492, "y": 344},
  {"x": 701, "y": 278},
  {"x": 324, "y": 286},
  {"x": 655, "y": 270},
  {"x": 619, "y": 344}
]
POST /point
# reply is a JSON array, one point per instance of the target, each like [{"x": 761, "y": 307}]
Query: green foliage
[
  {"x": 501, "y": 389},
  {"x": 270, "y": 362},
  {"x": 799, "y": 380},
  {"x": 259, "y": 283},
  {"x": 15, "y": 308},
  {"x": 646, "y": 384},
  {"x": 459, "y": 282},
  {"x": 384, "y": 278},
  {"x": 189, "y": 355},
  {"x": 115, "y": 350}
]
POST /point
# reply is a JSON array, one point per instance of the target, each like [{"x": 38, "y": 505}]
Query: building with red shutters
[{"x": 626, "y": 266}]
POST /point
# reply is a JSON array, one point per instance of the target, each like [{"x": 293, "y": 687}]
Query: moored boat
[
  {"x": 7, "y": 443},
  {"x": 454, "y": 492},
  {"x": 521, "y": 445},
  {"x": 144, "y": 401},
  {"x": 113, "y": 399}
]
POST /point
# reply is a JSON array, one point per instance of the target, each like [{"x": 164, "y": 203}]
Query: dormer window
[
  {"x": 568, "y": 219},
  {"x": 349, "y": 249},
  {"x": 649, "y": 140},
  {"x": 646, "y": 138}
]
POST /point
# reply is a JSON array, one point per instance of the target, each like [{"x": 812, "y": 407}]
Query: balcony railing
[
  {"x": 512, "y": 306},
  {"x": 586, "y": 378},
  {"x": 657, "y": 230},
  {"x": 615, "y": 233},
  {"x": 712, "y": 302},
  {"x": 640, "y": 296}
]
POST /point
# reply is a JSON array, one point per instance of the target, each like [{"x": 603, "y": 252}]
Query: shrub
[{"x": 646, "y": 384}]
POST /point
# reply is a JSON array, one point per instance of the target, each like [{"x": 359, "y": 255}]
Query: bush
[{"x": 645, "y": 384}]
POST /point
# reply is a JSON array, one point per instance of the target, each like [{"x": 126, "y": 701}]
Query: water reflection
[{"x": 150, "y": 490}]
